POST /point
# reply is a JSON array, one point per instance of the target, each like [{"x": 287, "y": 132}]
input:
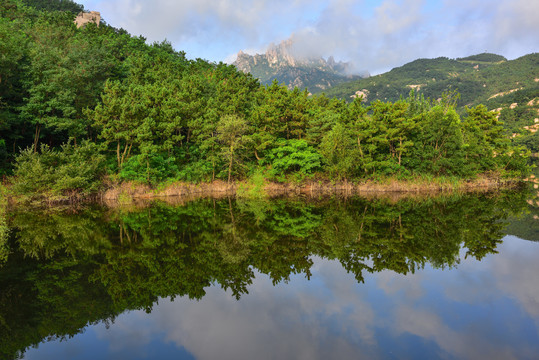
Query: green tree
[
  {"x": 55, "y": 5},
  {"x": 66, "y": 74},
  {"x": 398, "y": 127},
  {"x": 439, "y": 146},
  {"x": 339, "y": 151},
  {"x": 294, "y": 157},
  {"x": 119, "y": 116},
  {"x": 230, "y": 132},
  {"x": 485, "y": 139}
]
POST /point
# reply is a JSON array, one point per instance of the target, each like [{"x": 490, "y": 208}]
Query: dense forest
[{"x": 80, "y": 106}]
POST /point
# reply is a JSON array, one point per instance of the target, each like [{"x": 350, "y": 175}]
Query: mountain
[
  {"x": 478, "y": 79},
  {"x": 280, "y": 63}
]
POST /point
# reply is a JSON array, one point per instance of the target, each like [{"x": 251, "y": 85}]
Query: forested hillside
[
  {"x": 477, "y": 78},
  {"x": 85, "y": 106}
]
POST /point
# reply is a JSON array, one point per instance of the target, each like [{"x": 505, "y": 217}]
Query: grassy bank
[
  {"x": 259, "y": 187},
  {"x": 265, "y": 189}
]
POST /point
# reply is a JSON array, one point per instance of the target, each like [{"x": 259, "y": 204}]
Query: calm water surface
[{"x": 286, "y": 279}]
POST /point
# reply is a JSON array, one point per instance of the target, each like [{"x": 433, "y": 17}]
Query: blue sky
[{"x": 374, "y": 35}]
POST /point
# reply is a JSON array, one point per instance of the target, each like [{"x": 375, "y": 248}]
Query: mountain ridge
[
  {"x": 282, "y": 63},
  {"x": 478, "y": 78}
]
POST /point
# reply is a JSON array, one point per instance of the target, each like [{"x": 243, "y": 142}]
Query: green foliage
[
  {"x": 254, "y": 188},
  {"x": 197, "y": 170},
  {"x": 230, "y": 131},
  {"x": 439, "y": 148},
  {"x": 58, "y": 94},
  {"x": 339, "y": 152},
  {"x": 294, "y": 157},
  {"x": 73, "y": 169},
  {"x": 4, "y": 229},
  {"x": 55, "y": 5},
  {"x": 3, "y": 158},
  {"x": 529, "y": 141},
  {"x": 485, "y": 57},
  {"x": 489, "y": 144},
  {"x": 151, "y": 169},
  {"x": 320, "y": 124}
]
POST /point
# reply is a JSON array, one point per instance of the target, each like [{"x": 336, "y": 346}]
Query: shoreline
[
  {"x": 244, "y": 189},
  {"x": 182, "y": 192}
]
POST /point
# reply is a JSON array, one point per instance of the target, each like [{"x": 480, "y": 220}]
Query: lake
[{"x": 452, "y": 277}]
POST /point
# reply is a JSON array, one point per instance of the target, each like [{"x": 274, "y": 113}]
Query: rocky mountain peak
[
  {"x": 283, "y": 55},
  {"x": 282, "y": 62}
]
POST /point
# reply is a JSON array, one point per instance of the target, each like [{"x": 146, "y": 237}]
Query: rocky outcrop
[
  {"x": 280, "y": 62},
  {"x": 88, "y": 17},
  {"x": 282, "y": 55}
]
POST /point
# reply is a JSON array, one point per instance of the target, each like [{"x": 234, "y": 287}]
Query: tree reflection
[{"x": 68, "y": 268}]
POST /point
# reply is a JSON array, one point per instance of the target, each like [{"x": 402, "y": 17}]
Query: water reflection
[
  {"x": 430, "y": 314},
  {"x": 67, "y": 270}
]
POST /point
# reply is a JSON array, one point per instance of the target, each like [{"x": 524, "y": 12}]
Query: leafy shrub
[
  {"x": 196, "y": 165},
  {"x": 71, "y": 169},
  {"x": 254, "y": 189},
  {"x": 294, "y": 156}
]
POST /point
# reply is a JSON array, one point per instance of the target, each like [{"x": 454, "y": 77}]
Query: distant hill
[
  {"x": 315, "y": 74},
  {"x": 485, "y": 57},
  {"x": 477, "y": 78}
]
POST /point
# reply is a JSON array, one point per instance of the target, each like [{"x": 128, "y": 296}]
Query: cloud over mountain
[{"x": 374, "y": 35}]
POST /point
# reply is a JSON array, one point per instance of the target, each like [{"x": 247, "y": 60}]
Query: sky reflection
[{"x": 487, "y": 309}]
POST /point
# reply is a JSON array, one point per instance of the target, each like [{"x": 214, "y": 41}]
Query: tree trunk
[
  {"x": 213, "y": 162},
  {"x": 36, "y": 136},
  {"x": 400, "y": 150},
  {"x": 118, "y": 156},
  {"x": 126, "y": 151},
  {"x": 230, "y": 165},
  {"x": 148, "y": 169}
]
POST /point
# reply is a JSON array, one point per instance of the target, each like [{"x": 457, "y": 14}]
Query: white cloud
[
  {"x": 510, "y": 275},
  {"x": 270, "y": 322},
  {"x": 402, "y": 31},
  {"x": 374, "y": 35},
  {"x": 466, "y": 344},
  {"x": 393, "y": 283},
  {"x": 502, "y": 276},
  {"x": 329, "y": 320}
]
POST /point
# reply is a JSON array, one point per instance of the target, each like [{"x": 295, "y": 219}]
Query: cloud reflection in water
[{"x": 487, "y": 309}]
